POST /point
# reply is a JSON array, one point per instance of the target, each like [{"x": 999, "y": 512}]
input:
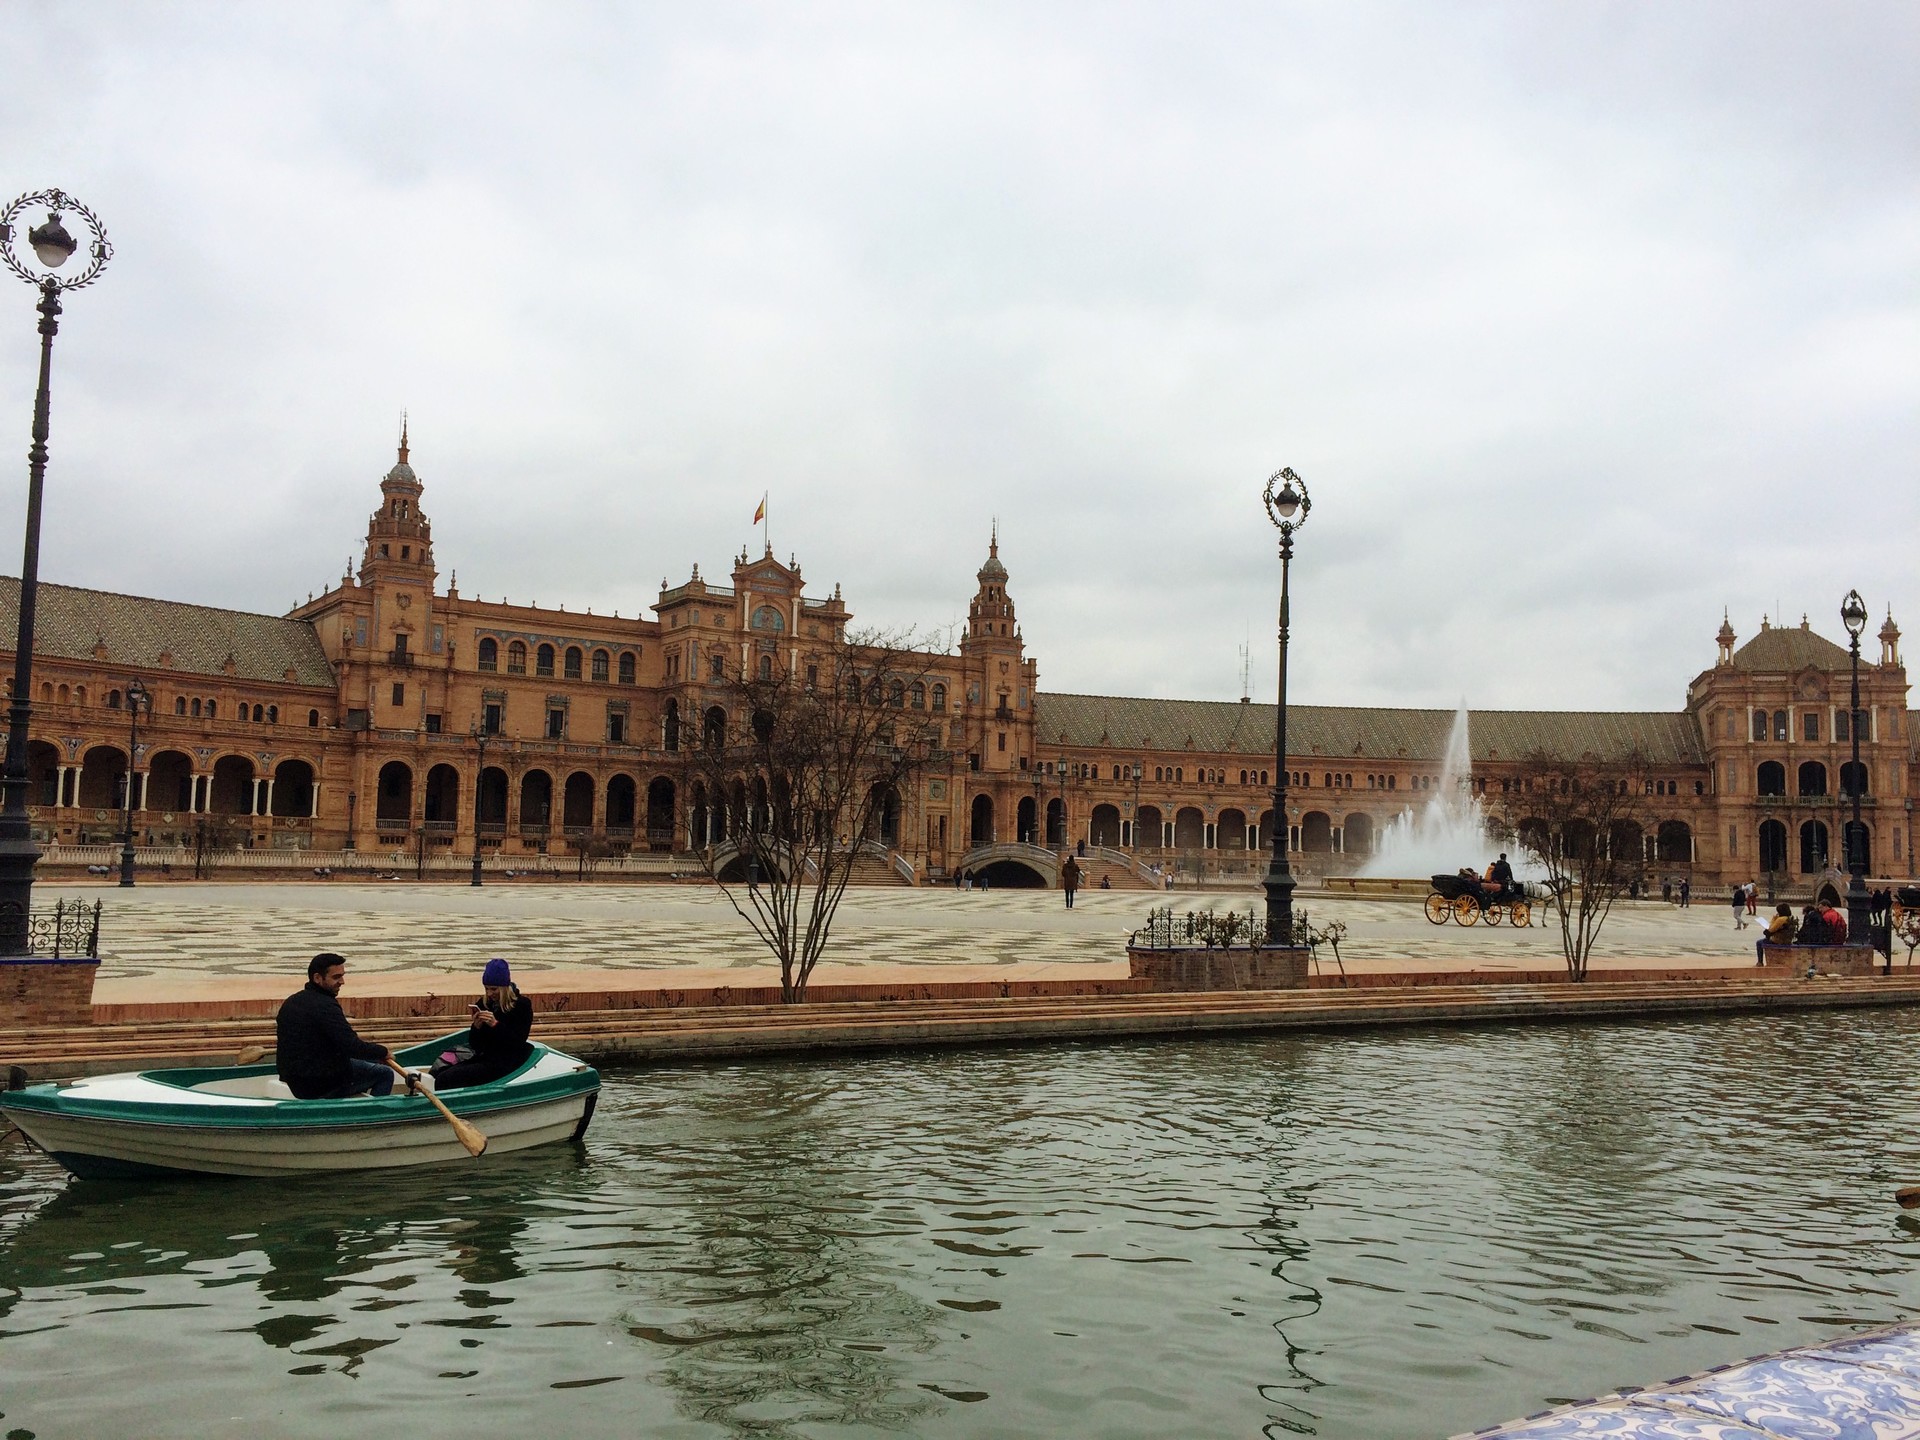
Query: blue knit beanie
[{"x": 496, "y": 973}]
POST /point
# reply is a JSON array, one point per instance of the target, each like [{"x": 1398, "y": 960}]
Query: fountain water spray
[{"x": 1448, "y": 831}]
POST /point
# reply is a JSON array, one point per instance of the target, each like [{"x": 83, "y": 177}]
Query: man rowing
[{"x": 317, "y": 1053}]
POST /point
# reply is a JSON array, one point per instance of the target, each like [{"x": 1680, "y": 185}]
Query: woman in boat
[{"x": 502, "y": 1020}]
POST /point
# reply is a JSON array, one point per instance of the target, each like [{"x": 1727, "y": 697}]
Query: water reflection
[
  {"x": 1389, "y": 1234},
  {"x": 776, "y": 1311}
]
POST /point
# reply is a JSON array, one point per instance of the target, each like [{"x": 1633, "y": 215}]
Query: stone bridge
[{"x": 1012, "y": 864}]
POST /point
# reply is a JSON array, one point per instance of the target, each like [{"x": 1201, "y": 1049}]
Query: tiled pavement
[{"x": 193, "y": 937}]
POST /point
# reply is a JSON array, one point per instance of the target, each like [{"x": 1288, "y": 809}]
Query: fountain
[{"x": 1449, "y": 831}]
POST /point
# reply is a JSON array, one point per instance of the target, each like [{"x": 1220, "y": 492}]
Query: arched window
[
  {"x": 897, "y": 694},
  {"x": 629, "y": 665},
  {"x": 1813, "y": 778},
  {"x": 573, "y": 662},
  {"x": 919, "y": 695},
  {"x": 939, "y": 697},
  {"x": 259, "y": 713},
  {"x": 516, "y": 658},
  {"x": 1779, "y": 724},
  {"x": 543, "y": 660},
  {"x": 313, "y": 719},
  {"x": 766, "y": 667},
  {"x": 489, "y": 654},
  {"x": 179, "y": 704},
  {"x": 602, "y": 662},
  {"x": 212, "y": 710},
  {"x": 196, "y": 709},
  {"x": 1759, "y": 724},
  {"x": 1853, "y": 778},
  {"x": 273, "y": 714}
]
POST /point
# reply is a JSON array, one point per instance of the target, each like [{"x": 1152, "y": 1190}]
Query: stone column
[
  {"x": 253, "y": 801},
  {"x": 266, "y": 796}
]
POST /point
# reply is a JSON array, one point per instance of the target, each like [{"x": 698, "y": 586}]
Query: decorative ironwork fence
[
  {"x": 70, "y": 931},
  {"x": 1214, "y": 930}
]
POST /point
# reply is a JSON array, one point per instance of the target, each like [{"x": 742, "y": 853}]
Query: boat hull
[{"x": 193, "y": 1122}]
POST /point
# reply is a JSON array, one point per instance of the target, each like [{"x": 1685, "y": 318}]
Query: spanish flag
[{"x": 761, "y": 513}]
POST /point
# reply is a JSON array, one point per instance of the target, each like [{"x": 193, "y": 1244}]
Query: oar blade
[
  {"x": 1909, "y": 1198},
  {"x": 470, "y": 1137}
]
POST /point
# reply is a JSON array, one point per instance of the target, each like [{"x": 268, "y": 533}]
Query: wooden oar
[
  {"x": 469, "y": 1135},
  {"x": 1908, "y": 1198}
]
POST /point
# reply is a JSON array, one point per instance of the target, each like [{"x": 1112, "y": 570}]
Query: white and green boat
[{"x": 241, "y": 1120}]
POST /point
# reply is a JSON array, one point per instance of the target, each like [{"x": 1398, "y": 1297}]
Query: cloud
[{"x": 1581, "y": 321}]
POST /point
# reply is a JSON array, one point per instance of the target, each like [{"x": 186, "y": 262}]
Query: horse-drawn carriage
[{"x": 1468, "y": 901}]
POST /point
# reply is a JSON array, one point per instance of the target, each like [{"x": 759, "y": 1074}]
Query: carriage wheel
[
  {"x": 1522, "y": 914},
  {"x": 1438, "y": 908},
  {"x": 1491, "y": 914},
  {"x": 1466, "y": 911}
]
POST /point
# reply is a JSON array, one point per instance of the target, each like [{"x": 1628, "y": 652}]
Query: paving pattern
[{"x": 208, "y": 931}]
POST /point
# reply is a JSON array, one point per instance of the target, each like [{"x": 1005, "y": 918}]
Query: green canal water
[{"x": 1400, "y": 1233}]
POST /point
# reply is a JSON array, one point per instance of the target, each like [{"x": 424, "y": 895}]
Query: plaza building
[{"x": 395, "y": 714}]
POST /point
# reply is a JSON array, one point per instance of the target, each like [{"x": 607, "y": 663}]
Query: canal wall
[{"x": 662, "y": 1034}]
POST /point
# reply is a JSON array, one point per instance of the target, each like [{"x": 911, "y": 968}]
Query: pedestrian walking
[
  {"x": 1739, "y": 907},
  {"x": 1070, "y": 878},
  {"x": 1753, "y": 899},
  {"x": 1686, "y": 892}
]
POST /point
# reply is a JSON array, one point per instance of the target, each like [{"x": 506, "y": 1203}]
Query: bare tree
[
  {"x": 791, "y": 771},
  {"x": 1584, "y": 821}
]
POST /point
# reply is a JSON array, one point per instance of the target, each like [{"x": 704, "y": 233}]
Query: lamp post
[
  {"x": 1853, "y": 614},
  {"x": 1136, "y": 807},
  {"x": 51, "y": 247},
  {"x": 481, "y": 735},
  {"x": 1287, "y": 507},
  {"x": 1060, "y": 770},
  {"x": 136, "y": 699}
]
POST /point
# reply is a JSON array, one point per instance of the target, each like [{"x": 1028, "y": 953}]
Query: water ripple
[{"x": 1371, "y": 1235}]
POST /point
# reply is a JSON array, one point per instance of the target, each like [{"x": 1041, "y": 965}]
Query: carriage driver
[{"x": 1500, "y": 875}]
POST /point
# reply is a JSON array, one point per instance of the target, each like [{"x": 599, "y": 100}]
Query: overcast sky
[{"x": 1581, "y": 320}]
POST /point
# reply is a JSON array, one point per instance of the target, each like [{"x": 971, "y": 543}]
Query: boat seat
[{"x": 252, "y": 1087}]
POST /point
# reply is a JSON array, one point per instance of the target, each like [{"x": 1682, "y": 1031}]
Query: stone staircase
[
  {"x": 1123, "y": 875},
  {"x": 649, "y": 1035},
  {"x": 872, "y": 870}
]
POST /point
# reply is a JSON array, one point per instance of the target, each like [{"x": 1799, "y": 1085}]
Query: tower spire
[{"x": 403, "y": 437}]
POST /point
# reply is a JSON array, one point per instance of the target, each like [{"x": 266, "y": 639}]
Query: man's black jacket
[{"x": 315, "y": 1042}]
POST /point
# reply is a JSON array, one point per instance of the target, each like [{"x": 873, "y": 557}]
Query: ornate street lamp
[
  {"x": 1136, "y": 806},
  {"x": 1288, "y": 507},
  {"x": 137, "y": 699},
  {"x": 480, "y": 735},
  {"x": 51, "y": 247},
  {"x": 1853, "y": 614}
]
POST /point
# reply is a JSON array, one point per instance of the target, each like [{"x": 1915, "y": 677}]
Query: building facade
[{"x": 393, "y": 713}]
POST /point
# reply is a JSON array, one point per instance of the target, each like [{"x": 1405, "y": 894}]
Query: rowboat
[{"x": 242, "y": 1120}]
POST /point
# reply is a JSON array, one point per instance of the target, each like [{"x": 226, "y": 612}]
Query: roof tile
[
  {"x": 1359, "y": 732},
  {"x": 69, "y": 621}
]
